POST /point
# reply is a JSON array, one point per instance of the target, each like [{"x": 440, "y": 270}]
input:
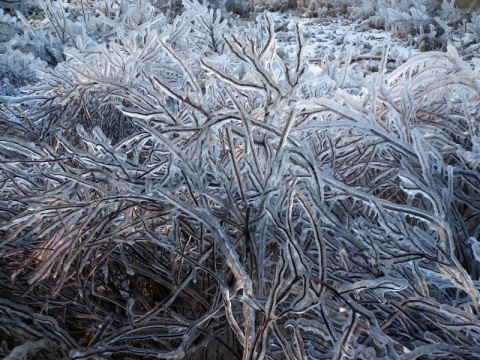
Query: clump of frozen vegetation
[
  {"x": 429, "y": 24},
  {"x": 173, "y": 188}
]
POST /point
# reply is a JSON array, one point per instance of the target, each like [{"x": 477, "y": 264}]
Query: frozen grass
[{"x": 180, "y": 189}]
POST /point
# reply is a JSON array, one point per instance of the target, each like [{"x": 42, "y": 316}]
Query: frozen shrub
[
  {"x": 429, "y": 24},
  {"x": 190, "y": 194},
  {"x": 321, "y": 8}
]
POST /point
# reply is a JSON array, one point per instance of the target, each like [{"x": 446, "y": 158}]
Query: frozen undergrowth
[
  {"x": 329, "y": 38},
  {"x": 183, "y": 188}
]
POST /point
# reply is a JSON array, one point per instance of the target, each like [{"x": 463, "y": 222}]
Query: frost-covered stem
[
  {"x": 249, "y": 133},
  {"x": 238, "y": 177},
  {"x": 250, "y": 330},
  {"x": 231, "y": 319},
  {"x": 270, "y": 28},
  {"x": 459, "y": 277},
  {"x": 464, "y": 351},
  {"x": 342, "y": 347},
  {"x": 247, "y": 56},
  {"x": 322, "y": 247}
]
